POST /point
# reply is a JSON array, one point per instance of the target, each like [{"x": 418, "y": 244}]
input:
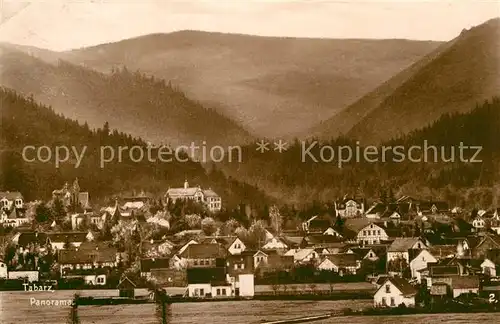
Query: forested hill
[
  {"x": 139, "y": 105},
  {"x": 25, "y": 122},
  {"x": 288, "y": 176}
]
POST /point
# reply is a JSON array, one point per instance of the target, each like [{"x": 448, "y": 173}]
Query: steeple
[{"x": 186, "y": 184}]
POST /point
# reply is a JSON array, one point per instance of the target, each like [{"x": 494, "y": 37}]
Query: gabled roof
[
  {"x": 210, "y": 193},
  {"x": 443, "y": 270},
  {"x": 214, "y": 276},
  {"x": 464, "y": 282},
  {"x": 124, "y": 282},
  {"x": 148, "y": 264},
  {"x": 203, "y": 251},
  {"x": 87, "y": 256},
  {"x": 442, "y": 251},
  {"x": 183, "y": 191},
  {"x": 10, "y": 195},
  {"x": 402, "y": 285},
  {"x": 343, "y": 260},
  {"x": 32, "y": 238},
  {"x": 403, "y": 244},
  {"x": 71, "y": 237},
  {"x": 16, "y": 213}
]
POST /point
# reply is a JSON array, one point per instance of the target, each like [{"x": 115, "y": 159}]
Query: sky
[{"x": 68, "y": 24}]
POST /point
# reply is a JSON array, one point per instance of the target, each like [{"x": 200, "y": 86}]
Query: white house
[
  {"x": 349, "y": 208},
  {"x": 11, "y": 199},
  {"x": 259, "y": 257},
  {"x": 31, "y": 276},
  {"x": 3, "y": 270},
  {"x": 400, "y": 246},
  {"x": 246, "y": 285},
  {"x": 303, "y": 255},
  {"x": 479, "y": 222},
  {"x": 236, "y": 247},
  {"x": 420, "y": 262},
  {"x": 13, "y": 217},
  {"x": 489, "y": 268},
  {"x": 205, "y": 196},
  {"x": 372, "y": 234},
  {"x": 275, "y": 244},
  {"x": 394, "y": 292},
  {"x": 341, "y": 263}
]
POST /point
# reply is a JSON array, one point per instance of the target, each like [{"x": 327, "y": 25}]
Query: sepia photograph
[{"x": 249, "y": 161}]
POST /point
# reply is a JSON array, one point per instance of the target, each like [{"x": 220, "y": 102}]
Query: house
[
  {"x": 3, "y": 269},
  {"x": 400, "y": 246},
  {"x": 94, "y": 277},
  {"x": 31, "y": 241},
  {"x": 371, "y": 253},
  {"x": 61, "y": 240},
  {"x": 260, "y": 257},
  {"x": 13, "y": 217},
  {"x": 488, "y": 242},
  {"x": 157, "y": 248},
  {"x": 275, "y": 243},
  {"x": 9, "y": 199},
  {"x": 420, "y": 262},
  {"x": 347, "y": 263},
  {"x": 491, "y": 263},
  {"x": 147, "y": 265},
  {"x": 376, "y": 210},
  {"x": 238, "y": 263},
  {"x": 185, "y": 246},
  {"x": 317, "y": 224},
  {"x": 372, "y": 234},
  {"x": 234, "y": 245},
  {"x": 350, "y": 207},
  {"x": 169, "y": 277},
  {"x": 72, "y": 196},
  {"x": 203, "y": 255},
  {"x": 432, "y": 207},
  {"x": 464, "y": 285},
  {"x": 30, "y": 276},
  {"x": 207, "y": 197},
  {"x": 126, "y": 288},
  {"x": 88, "y": 256},
  {"x": 394, "y": 292},
  {"x": 208, "y": 282},
  {"x": 303, "y": 256},
  {"x": 479, "y": 222}
]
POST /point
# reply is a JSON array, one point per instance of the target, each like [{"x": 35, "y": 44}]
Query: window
[
  {"x": 218, "y": 292},
  {"x": 371, "y": 255},
  {"x": 202, "y": 292},
  {"x": 364, "y": 233},
  {"x": 384, "y": 301},
  {"x": 196, "y": 292},
  {"x": 100, "y": 280},
  {"x": 387, "y": 289},
  {"x": 378, "y": 232},
  {"x": 195, "y": 262},
  {"x": 393, "y": 302},
  {"x": 224, "y": 291}
]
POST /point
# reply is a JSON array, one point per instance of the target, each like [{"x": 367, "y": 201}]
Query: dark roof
[
  {"x": 16, "y": 213},
  {"x": 67, "y": 237},
  {"x": 125, "y": 282},
  {"x": 320, "y": 239},
  {"x": 148, "y": 264},
  {"x": 32, "y": 238},
  {"x": 464, "y": 282},
  {"x": 443, "y": 270},
  {"x": 203, "y": 251},
  {"x": 99, "y": 254},
  {"x": 10, "y": 195},
  {"x": 404, "y": 286},
  {"x": 442, "y": 251},
  {"x": 214, "y": 276},
  {"x": 403, "y": 244},
  {"x": 344, "y": 260}
]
